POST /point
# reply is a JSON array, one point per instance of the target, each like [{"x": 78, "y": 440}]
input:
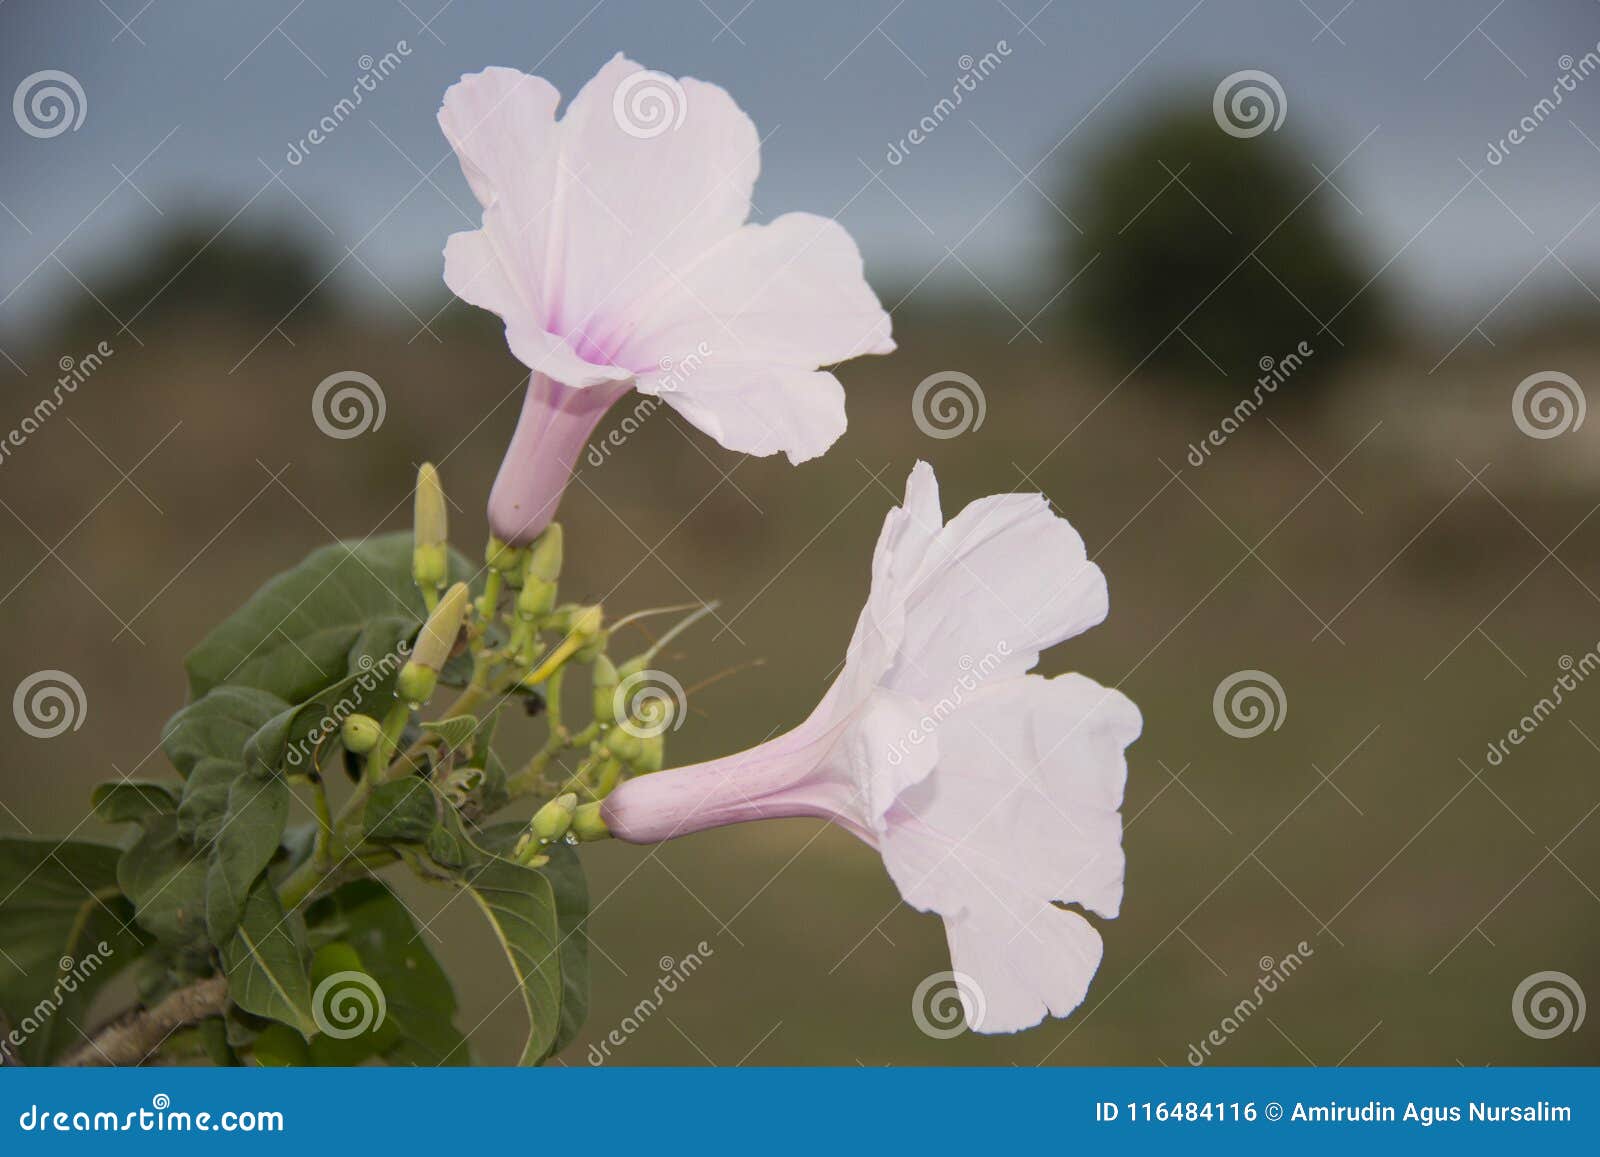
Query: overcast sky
[{"x": 193, "y": 105}]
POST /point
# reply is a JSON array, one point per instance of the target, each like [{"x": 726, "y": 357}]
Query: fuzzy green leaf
[
  {"x": 62, "y": 922},
  {"x": 217, "y": 726},
  {"x": 130, "y": 801},
  {"x": 165, "y": 877},
  {"x": 521, "y": 906},
  {"x": 266, "y": 965},
  {"x": 258, "y": 809}
]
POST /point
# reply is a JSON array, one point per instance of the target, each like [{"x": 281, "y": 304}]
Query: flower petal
[
  {"x": 1025, "y": 965},
  {"x": 1004, "y": 580},
  {"x": 759, "y": 409},
  {"x": 792, "y": 293}
]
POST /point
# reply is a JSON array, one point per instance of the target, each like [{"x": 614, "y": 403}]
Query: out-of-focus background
[{"x": 1395, "y": 224}]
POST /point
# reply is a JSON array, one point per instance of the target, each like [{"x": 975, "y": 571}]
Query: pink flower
[
  {"x": 614, "y": 247},
  {"x": 991, "y": 794}
]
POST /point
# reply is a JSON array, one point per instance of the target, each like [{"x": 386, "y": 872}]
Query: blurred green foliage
[{"x": 1212, "y": 241}]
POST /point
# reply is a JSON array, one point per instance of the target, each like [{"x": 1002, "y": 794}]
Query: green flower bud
[
  {"x": 588, "y": 824},
  {"x": 502, "y": 556},
  {"x": 652, "y": 754},
  {"x": 430, "y": 557},
  {"x": 544, "y": 556},
  {"x": 536, "y": 598},
  {"x": 605, "y": 690},
  {"x": 552, "y": 820},
  {"x": 360, "y": 733},
  {"x": 623, "y": 744},
  {"x": 434, "y": 643}
]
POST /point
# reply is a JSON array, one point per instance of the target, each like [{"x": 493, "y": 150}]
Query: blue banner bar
[{"x": 755, "y": 1111}]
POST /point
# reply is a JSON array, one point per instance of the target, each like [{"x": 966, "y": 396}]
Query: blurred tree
[
  {"x": 1218, "y": 242},
  {"x": 203, "y": 265}
]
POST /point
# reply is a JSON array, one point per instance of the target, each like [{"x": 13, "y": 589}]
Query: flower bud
[
  {"x": 552, "y": 820},
  {"x": 536, "y": 598},
  {"x": 502, "y": 556},
  {"x": 360, "y": 733},
  {"x": 544, "y": 556},
  {"x": 430, "y": 557},
  {"x": 623, "y": 744},
  {"x": 435, "y": 642},
  {"x": 588, "y": 824},
  {"x": 652, "y": 754}
]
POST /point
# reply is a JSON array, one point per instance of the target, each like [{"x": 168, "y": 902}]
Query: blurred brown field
[{"x": 1407, "y": 564}]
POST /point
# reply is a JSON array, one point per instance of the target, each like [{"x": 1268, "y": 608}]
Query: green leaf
[
  {"x": 258, "y": 809},
  {"x": 455, "y": 733},
  {"x": 571, "y": 889},
  {"x": 205, "y": 798},
  {"x": 279, "y": 1046},
  {"x": 406, "y": 811},
  {"x": 217, "y": 726},
  {"x": 382, "y": 945},
  {"x": 61, "y": 906},
  {"x": 306, "y": 628},
  {"x": 521, "y": 906},
  {"x": 266, "y": 965},
  {"x": 129, "y": 801},
  {"x": 165, "y": 877}
]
